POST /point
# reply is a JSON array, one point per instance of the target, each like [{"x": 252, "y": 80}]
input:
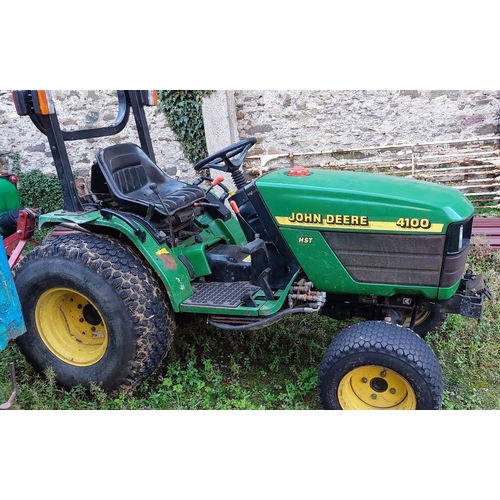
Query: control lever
[
  {"x": 154, "y": 187},
  {"x": 215, "y": 182}
]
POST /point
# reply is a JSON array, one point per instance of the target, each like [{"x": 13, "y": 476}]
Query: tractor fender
[{"x": 166, "y": 264}]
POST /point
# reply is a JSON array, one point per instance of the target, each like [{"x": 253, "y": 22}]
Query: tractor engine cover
[{"x": 371, "y": 233}]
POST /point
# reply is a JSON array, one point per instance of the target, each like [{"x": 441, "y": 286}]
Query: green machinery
[{"x": 133, "y": 250}]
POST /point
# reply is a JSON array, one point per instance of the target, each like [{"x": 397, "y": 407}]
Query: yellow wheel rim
[
  {"x": 375, "y": 388},
  {"x": 420, "y": 317},
  {"x": 71, "y": 327}
]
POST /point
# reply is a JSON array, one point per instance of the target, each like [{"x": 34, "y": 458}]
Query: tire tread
[
  {"x": 388, "y": 339},
  {"x": 136, "y": 285}
]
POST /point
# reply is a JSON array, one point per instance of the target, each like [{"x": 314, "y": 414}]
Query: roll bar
[{"x": 39, "y": 106}]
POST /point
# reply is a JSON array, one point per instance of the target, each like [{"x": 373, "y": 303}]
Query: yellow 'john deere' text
[
  {"x": 337, "y": 220},
  {"x": 347, "y": 221}
]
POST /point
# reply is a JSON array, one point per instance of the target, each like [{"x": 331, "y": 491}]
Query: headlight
[{"x": 458, "y": 236}]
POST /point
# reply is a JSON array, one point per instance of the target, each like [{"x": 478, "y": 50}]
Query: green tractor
[{"x": 134, "y": 250}]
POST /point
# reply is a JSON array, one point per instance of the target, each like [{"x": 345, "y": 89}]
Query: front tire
[
  {"x": 375, "y": 365},
  {"x": 94, "y": 313}
]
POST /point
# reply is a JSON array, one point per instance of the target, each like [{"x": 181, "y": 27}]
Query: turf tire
[
  {"x": 126, "y": 294},
  {"x": 380, "y": 344}
]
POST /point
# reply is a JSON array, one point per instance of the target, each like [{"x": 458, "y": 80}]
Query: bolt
[
  {"x": 392, "y": 390},
  {"x": 81, "y": 320},
  {"x": 383, "y": 374},
  {"x": 374, "y": 396},
  {"x": 364, "y": 380}
]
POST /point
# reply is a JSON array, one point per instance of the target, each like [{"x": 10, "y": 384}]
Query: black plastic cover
[
  {"x": 395, "y": 259},
  {"x": 228, "y": 263}
]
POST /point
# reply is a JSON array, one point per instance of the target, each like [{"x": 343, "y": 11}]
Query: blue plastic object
[{"x": 11, "y": 317}]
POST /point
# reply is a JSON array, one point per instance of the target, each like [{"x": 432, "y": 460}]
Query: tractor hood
[{"x": 327, "y": 199}]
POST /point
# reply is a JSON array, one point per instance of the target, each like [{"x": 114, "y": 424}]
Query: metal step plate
[{"x": 218, "y": 294}]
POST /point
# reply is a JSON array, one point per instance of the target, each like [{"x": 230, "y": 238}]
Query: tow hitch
[
  {"x": 16, "y": 243},
  {"x": 468, "y": 301},
  {"x": 475, "y": 285}
]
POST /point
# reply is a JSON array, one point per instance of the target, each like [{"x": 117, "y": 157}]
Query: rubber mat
[{"x": 220, "y": 294}]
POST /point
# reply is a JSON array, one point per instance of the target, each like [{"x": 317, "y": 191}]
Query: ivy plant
[
  {"x": 9, "y": 161},
  {"x": 183, "y": 111},
  {"x": 40, "y": 191}
]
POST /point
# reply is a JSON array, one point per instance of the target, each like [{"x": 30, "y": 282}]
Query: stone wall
[
  {"x": 297, "y": 121},
  {"x": 84, "y": 109},
  {"x": 283, "y": 121}
]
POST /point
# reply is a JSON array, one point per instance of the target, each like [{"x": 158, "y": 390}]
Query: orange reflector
[
  {"x": 149, "y": 97},
  {"x": 45, "y": 102}
]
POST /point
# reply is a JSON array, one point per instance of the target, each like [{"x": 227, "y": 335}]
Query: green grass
[
  {"x": 206, "y": 368},
  {"x": 276, "y": 368},
  {"x": 468, "y": 350}
]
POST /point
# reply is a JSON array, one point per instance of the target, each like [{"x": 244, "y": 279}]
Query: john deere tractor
[{"x": 133, "y": 250}]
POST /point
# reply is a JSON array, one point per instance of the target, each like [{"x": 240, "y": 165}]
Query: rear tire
[
  {"x": 375, "y": 365},
  {"x": 94, "y": 312}
]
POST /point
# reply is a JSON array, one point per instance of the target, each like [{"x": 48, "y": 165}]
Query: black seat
[{"x": 129, "y": 172}]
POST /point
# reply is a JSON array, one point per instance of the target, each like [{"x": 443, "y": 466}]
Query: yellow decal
[
  {"x": 340, "y": 220},
  {"x": 248, "y": 259},
  {"x": 168, "y": 260},
  {"x": 329, "y": 221},
  {"x": 406, "y": 222}
]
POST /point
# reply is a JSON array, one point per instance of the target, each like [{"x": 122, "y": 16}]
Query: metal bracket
[{"x": 8, "y": 404}]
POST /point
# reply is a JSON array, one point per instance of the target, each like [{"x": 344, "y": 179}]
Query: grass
[
  {"x": 276, "y": 368},
  {"x": 205, "y": 369},
  {"x": 468, "y": 350}
]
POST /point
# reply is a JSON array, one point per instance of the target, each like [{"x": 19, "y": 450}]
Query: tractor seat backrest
[
  {"x": 129, "y": 173},
  {"x": 131, "y": 168}
]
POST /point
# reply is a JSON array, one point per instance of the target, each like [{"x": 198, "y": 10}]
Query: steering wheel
[{"x": 228, "y": 159}]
